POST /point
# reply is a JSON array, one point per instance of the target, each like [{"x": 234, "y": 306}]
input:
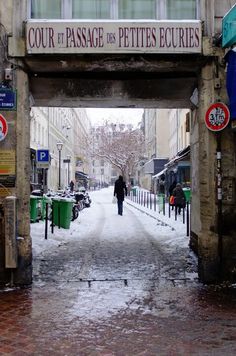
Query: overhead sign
[
  {"x": 229, "y": 28},
  {"x": 51, "y": 37},
  {"x": 217, "y": 117},
  {"x": 3, "y": 128},
  {"x": 43, "y": 158},
  {"x": 7, "y": 99}
]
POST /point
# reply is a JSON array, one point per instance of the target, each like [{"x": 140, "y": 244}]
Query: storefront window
[
  {"x": 181, "y": 9},
  {"x": 137, "y": 9},
  {"x": 91, "y": 9},
  {"x": 45, "y": 9}
]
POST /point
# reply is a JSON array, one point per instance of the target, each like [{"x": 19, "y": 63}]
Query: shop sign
[
  {"x": 229, "y": 28},
  {"x": 217, "y": 117},
  {"x": 66, "y": 37}
]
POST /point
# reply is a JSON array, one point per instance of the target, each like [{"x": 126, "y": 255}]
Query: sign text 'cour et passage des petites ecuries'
[{"x": 61, "y": 36}]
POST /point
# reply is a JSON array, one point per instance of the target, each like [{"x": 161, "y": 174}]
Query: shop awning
[
  {"x": 160, "y": 173},
  {"x": 181, "y": 156},
  {"x": 81, "y": 175}
]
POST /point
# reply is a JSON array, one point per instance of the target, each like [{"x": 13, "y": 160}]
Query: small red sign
[
  {"x": 3, "y": 128},
  {"x": 217, "y": 117}
]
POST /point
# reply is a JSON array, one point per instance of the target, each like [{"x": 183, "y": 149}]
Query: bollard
[
  {"x": 52, "y": 225},
  {"x": 46, "y": 221},
  {"x": 169, "y": 210},
  {"x": 187, "y": 218},
  {"x": 164, "y": 206},
  {"x": 59, "y": 216},
  {"x": 175, "y": 212}
]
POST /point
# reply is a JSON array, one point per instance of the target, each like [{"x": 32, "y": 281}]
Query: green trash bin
[
  {"x": 35, "y": 208},
  {"x": 187, "y": 193},
  {"x": 62, "y": 212},
  {"x": 161, "y": 201},
  {"x": 134, "y": 191}
]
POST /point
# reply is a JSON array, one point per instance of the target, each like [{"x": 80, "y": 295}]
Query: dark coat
[
  {"x": 120, "y": 189},
  {"x": 172, "y": 187},
  {"x": 180, "y": 199}
]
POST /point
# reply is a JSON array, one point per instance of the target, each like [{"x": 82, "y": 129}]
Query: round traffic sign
[
  {"x": 3, "y": 128},
  {"x": 217, "y": 117}
]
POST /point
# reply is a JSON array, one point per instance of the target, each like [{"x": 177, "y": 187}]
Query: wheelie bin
[
  {"x": 134, "y": 191},
  {"x": 35, "y": 208},
  {"x": 62, "y": 212},
  {"x": 187, "y": 193}
]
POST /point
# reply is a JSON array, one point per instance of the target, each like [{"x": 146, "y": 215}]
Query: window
[
  {"x": 114, "y": 9},
  {"x": 137, "y": 9},
  {"x": 91, "y": 9},
  {"x": 181, "y": 9},
  {"x": 44, "y": 9}
]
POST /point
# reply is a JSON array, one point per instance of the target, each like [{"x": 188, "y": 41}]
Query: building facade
[{"x": 69, "y": 127}]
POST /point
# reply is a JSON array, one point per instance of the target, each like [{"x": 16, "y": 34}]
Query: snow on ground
[{"x": 169, "y": 232}]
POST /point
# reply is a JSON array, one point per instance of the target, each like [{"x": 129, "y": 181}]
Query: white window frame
[{"x": 66, "y": 9}]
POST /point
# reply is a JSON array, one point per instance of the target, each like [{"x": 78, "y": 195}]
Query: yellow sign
[{"x": 7, "y": 162}]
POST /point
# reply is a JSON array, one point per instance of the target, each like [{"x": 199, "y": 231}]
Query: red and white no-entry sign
[
  {"x": 217, "y": 117},
  {"x": 3, "y": 128}
]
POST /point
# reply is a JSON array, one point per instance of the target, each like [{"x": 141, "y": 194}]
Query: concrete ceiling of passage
[{"x": 161, "y": 81}]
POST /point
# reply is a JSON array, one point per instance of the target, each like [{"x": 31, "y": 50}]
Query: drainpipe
[{"x": 219, "y": 198}]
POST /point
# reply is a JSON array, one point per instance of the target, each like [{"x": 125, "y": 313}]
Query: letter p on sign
[{"x": 43, "y": 158}]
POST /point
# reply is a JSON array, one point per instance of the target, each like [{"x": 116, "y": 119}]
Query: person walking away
[
  {"x": 72, "y": 186},
  {"x": 171, "y": 197},
  {"x": 180, "y": 200},
  {"x": 120, "y": 190}
]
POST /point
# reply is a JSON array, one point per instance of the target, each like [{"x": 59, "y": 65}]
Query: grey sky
[{"x": 99, "y": 115}]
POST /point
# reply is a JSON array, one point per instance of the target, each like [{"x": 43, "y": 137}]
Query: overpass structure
[{"x": 116, "y": 63}]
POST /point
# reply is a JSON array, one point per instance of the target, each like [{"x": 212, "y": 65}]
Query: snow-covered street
[{"x": 103, "y": 245}]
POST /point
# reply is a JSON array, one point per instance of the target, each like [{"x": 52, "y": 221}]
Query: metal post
[
  {"x": 219, "y": 197},
  {"x": 52, "y": 226},
  {"x": 187, "y": 218},
  {"x": 68, "y": 172},
  {"x": 164, "y": 205},
  {"x": 59, "y": 183},
  {"x": 46, "y": 222}
]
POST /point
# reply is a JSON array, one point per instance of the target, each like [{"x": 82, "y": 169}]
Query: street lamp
[
  {"x": 59, "y": 147},
  {"x": 68, "y": 161}
]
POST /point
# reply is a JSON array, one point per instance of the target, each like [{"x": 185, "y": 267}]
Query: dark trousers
[{"x": 120, "y": 206}]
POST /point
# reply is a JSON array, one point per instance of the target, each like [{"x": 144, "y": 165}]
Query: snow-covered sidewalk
[{"x": 168, "y": 231}]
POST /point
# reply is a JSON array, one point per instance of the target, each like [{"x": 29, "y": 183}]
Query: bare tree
[{"x": 119, "y": 144}]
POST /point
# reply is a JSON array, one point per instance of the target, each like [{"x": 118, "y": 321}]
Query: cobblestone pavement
[{"x": 122, "y": 296}]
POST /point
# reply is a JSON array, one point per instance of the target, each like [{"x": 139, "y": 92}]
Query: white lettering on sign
[{"x": 112, "y": 37}]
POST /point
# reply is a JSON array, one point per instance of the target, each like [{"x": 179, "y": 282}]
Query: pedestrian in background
[
  {"x": 72, "y": 186},
  {"x": 180, "y": 200},
  {"x": 120, "y": 190},
  {"x": 171, "y": 197}
]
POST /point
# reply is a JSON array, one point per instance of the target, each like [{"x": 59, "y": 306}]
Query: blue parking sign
[{"x": 43, "y": 158}]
